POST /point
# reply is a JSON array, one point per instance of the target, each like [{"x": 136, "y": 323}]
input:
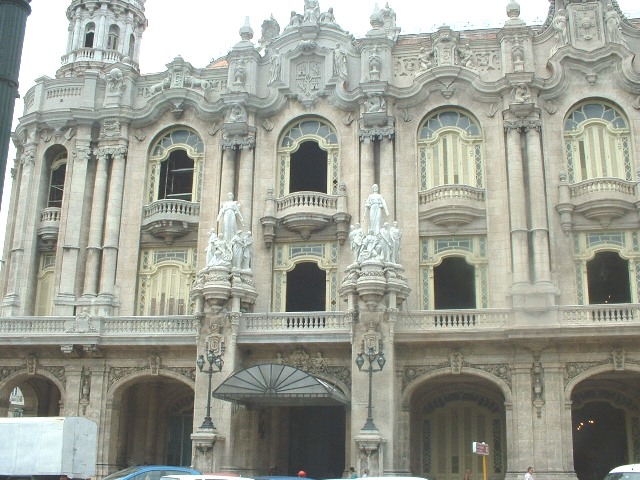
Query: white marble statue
[
  {"x": 377, "y": 207},
  {"x": 356, "y": 238},
  {"x": 247, "y": 251},
  {"x": 395, "y": 234},
  {"x": 228, "y": 218},
  {"x": 385, "y": 242}
]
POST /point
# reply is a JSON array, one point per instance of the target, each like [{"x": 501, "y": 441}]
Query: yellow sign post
[{"x": 481, "y": 448}]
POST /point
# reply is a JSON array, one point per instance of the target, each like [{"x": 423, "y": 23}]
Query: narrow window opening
[
  {"x": 112, "y": 41},
  {"x": 608, "y": 279},
  {"x": 176, "y": 177},
  {"x": 454, "y": 283},
  {"x": 306, "y": 288},
  {"x": 308, "y": 169},
  {"x": 89, "y": 35},
  {"x": 56, "y": 186}
]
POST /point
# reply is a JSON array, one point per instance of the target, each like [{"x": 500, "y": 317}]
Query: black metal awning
[{"x": 273, "y": 384}]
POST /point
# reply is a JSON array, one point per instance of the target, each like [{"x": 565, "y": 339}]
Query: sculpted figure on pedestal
[
  {"x": 228, "y": 217},
  {"x": 377, "y": 206}
]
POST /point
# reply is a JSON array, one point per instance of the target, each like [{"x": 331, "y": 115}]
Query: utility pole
[{"x": 13, "y": 21}]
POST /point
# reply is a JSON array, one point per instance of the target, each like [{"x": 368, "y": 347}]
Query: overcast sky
[{"x": 200, "y": 30}]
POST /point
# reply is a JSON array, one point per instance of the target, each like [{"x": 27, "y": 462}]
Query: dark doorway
[
  {"x": 608, "y": 278},
  {"x": 306, "y": 288},
  {"x": 599, "y": 440},
  {"x": 454, "y": 284},
  {"x": 317, "y": 441},
  {"x": 308, "y": 170},
  {"x": 176, "y": 177}
]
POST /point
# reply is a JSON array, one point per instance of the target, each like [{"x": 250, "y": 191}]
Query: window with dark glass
[
  {"x": 56, "y": 186},
  {"x": 176, "y": 177}
]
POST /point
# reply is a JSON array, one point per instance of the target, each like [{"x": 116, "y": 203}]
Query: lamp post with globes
[
  {"x": 372, "y": 357},
  {"x": 212, "y": 359}
]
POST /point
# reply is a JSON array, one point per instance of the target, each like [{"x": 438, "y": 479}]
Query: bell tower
[{"x": 103, "y": 32}]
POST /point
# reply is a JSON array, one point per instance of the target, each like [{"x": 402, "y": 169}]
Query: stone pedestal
[
  {"x": 370, "y": 452},
  {"x": 207, "y": 444}
]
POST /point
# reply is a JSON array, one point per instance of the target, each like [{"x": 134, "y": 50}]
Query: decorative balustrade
[
  {"x": 598, "y": 314},
  {"x": 452, "y": 192},
  {"x": 170, "y": 209},
  {"x": 306, "y": 200},
  {"x": 295, "y": 321},
  {"x": 61, "y": 92},
  {"x": 50, "y": 214},
  {"x": 149, "y": 326},
  {"x": 454, "y": 320},
  {"x": 603, "y": 186},
  {"x": 32, "y": 326}
]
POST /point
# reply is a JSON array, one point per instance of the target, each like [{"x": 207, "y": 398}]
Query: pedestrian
[
  {"x": 302, "y": 474},
  {"x": 467, "y": 474},
  {"x": 529, "y": 474},
  {"x": 366, "y": 473},
  {"x": 352, "y": 473}
]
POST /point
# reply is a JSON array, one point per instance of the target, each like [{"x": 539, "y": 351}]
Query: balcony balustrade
[
  {"x": 170, "y": 219},
  {"x": 452, "y": 206},
  {"x": 49, "y": 227},
  {"x": 322, "y": 327}
]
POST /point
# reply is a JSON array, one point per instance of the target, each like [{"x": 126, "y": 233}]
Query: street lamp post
[
  {"x": 212, "y": 359},
  {"x": 372, "y": 357}
]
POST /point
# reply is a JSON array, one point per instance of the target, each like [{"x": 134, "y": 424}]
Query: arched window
[
  {"x": 308, "y": 158},
  {"x": 454, "y": 284},
  {"x": 164, "y": 281},
  {"x": 305, "y": 277},
  {"x": 608, "y": 279},
  {"x": 597, "y": 142},
  {"x": 89, "y": 35},
  {"x": 112, "y": 39},
  {"x": 56, "y": 180},
  {"x": 450, "y": 151},
  {"x": 176, "y": 167}
]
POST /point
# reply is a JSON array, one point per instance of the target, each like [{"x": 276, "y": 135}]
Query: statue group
[
  {"x": 229, "y": 246},
  {"x": 381, "y": 241}
]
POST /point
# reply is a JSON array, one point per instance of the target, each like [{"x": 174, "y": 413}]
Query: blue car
[{"x": 150, "y": 472}]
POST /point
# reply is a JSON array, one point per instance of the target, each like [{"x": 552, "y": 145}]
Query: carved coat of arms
[
  {"x": 308, "y": 79},
  {"x": 585, "y": 20}
]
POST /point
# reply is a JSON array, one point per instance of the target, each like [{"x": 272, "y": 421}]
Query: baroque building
[{"x": 336, "y": 251}]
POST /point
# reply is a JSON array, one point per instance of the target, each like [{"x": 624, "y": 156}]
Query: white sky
[{"x": 200, "y": 30}]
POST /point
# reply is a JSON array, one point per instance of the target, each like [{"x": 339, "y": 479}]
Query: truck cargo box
[{"x": 48, "y": 446}]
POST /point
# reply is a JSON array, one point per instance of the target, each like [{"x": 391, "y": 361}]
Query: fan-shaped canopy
[{"x": 274, "y": 384}]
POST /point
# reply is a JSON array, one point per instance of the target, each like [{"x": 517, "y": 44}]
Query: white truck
[{"x": 48, "y": 446}]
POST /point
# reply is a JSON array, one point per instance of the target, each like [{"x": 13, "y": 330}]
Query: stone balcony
[
  {"x": 91, "y": 334},
  {"x": 93, "y": 55},
  {"x": 452, "y": 206},
  {"x": 49, "y": 227},
  {"x": 170, "y": 219},
  {"x": 304, "y": 213},
  {"x": 602, "y": 200}
]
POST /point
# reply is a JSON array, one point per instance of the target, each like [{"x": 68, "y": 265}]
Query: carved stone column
[
  {"x": 539, "y": 222},
  {"x": 519, "y": 230},
  {"x": 94, "y": 246},
  {"x": 16, "y": 268},
  {"x": 64, "y": 303},
  {"x": 112, "y": 224}
]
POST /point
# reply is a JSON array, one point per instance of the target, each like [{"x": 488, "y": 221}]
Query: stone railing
[
  {"x": 602, "y": 186},
  {"x": 50, "y": 214},
  {"x": 295, "y": 321},
  {"x": 599, "y": 314},
  {"x": 171, "y": 210},
  {"x": 306, "y": 200},
  {"x": 103, "y": 330},
  {"x": 452, "y": 192},
  {"x": 62, "y": 92},
  {"x": 454, "y": 320}
]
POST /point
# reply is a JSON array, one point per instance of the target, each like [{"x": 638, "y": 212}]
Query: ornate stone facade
[{"x": 389, "y": 247}]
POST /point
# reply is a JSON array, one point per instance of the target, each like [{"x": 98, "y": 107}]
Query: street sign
[{"x": 480, "y": 448}]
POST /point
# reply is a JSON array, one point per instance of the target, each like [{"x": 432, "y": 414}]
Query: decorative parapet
[
  {"x": 304, "y": 213},
  {"x": 600, "y": 314},
  {"x": 49, "y": 227},
  {"x": 453, "y": 320},
  {"x": 170, "y": 219},
  {"x": 452, "y": 205}
]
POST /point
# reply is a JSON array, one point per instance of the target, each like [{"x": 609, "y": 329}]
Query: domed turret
[{"x": 103, "y": 32}]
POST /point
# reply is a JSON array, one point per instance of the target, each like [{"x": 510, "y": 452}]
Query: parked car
[
  {"x": 625, "y": 472},
  {"x": 206, "y": 476},
  {"x": 150, "y": 472}
]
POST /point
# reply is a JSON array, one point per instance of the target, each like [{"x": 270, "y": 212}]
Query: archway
[
  {"x": 41, "y": 397},
  {"x": 605, "y": 412},
  {"x": 153, "y": 422},
  {"x": 306, "y": 288},
  {"x": 447, "y": 414}
]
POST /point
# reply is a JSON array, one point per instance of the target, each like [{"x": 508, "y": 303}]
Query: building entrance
[{"x": 316, "y": 441}]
